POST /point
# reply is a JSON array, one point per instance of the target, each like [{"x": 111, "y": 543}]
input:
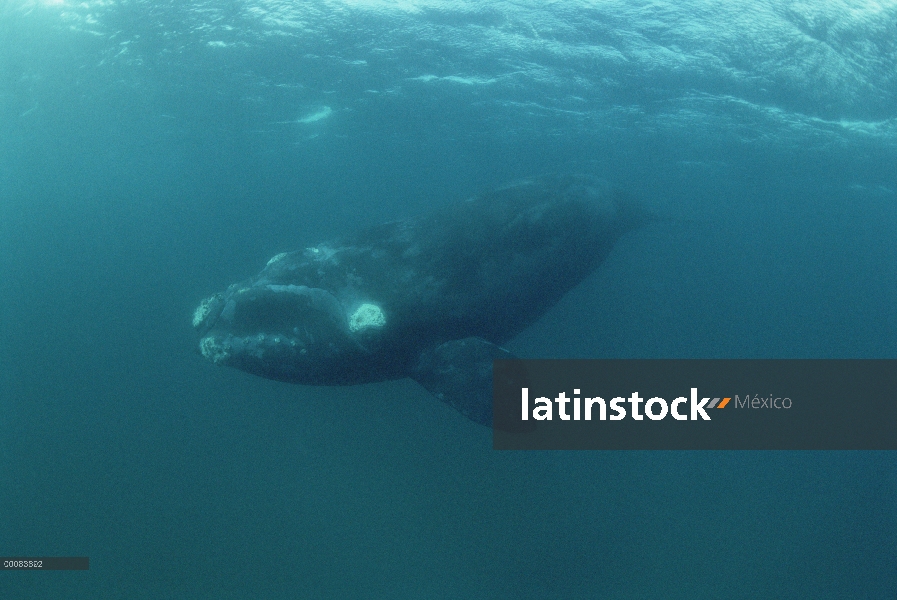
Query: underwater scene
[{"x": 168, "y": 166}]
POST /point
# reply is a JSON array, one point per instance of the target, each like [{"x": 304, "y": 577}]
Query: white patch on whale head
[
  {"x": 276, "y": 258},
  {"x": 320, "y": 253},
  {"x": 202, "y": 311},
  {"x": 366, "y": 316},
  {"x": 213, "y": 350}
]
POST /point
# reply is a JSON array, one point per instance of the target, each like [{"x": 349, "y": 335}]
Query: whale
[{"x": 431, "y": 297}]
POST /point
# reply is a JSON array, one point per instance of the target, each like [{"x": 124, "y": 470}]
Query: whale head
[{"x": 286, "y": 332}]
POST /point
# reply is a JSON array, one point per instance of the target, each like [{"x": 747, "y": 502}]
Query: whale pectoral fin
[{"x": 460, "y": 374}]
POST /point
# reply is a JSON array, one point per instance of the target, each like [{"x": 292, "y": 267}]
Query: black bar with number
[{"x": 44, "y": 563}]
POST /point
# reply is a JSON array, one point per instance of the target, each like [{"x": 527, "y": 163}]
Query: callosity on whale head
[{"x": 429, "y": 297}]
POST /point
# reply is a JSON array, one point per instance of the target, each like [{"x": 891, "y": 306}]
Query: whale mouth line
[{"x": 223, "y": 348}]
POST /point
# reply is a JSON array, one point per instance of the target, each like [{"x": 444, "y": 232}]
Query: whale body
[{"x": 430, "y": 297}]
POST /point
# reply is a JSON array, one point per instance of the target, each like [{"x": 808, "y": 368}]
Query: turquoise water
[{"x": 151, "y": 153}]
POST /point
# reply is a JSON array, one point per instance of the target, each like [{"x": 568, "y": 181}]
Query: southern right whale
[{"x": 430, "y": 297}]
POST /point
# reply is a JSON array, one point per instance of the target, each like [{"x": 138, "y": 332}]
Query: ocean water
[{"x": 153, "y": 152}]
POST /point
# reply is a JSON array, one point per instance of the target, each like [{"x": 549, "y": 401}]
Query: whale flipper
[{"x": 459, "y": 373}]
